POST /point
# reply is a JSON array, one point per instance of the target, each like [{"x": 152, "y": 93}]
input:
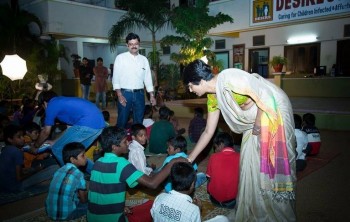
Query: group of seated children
[
  {"x": 308, "y": 139},
  {"x": 110, "y": 177}
]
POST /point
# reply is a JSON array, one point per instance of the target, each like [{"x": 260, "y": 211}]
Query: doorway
[{"x": 259, "y": 61}]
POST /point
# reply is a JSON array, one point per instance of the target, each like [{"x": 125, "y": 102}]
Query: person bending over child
[
  {"x": 67, "y": 198},
  {"x": 13, "y": 177},
  {"x": 110, "y": 176},
  {"x": 136, "y": 148},
  {"x": 177, "y": 147},
  {"x": 223, "y": 172}
]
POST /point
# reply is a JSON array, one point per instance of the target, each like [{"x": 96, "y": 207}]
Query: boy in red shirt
[{"x": 223, "y": 172}]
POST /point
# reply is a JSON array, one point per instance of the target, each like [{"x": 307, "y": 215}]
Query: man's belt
[{"x": 132, "y": 90}]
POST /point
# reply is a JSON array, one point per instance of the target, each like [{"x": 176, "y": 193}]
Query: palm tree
[
  {"x": 193, "y": 31},
  {"x": 153, "y": 16},
  {"x": 16, "y": 35}
]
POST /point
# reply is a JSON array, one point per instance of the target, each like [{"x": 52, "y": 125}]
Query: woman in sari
[{"x": 262, "y": 112}]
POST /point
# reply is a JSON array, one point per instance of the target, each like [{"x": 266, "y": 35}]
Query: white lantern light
[{"x": 14, "y": 67}]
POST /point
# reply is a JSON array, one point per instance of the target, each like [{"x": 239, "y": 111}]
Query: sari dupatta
[{"x": 274, "y": 164}]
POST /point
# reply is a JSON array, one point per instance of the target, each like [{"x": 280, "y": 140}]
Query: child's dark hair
[
  {"x": 72, "y": 150},
  {"x": 171, "y": 113},
  {"x": 46, "y": 96},
  {"x": 106, "y": 115},
  {"x": 309, "y": 119},
  {"x": 297, "y": 121},
  {"x": 199, "y": 112},
  {"x": 10, "y": 131},
  {"x": 223, "y": 138},
  {"x": 178, "y": 142},
  {"x": 136, "y": 128},
  {"x": 110, "y": 136},
  {"x": 182, "y": 176},
  {"x": 148, "y": 111},
  {"x": 31, "y": 126},
  {"x": 164, "y": 112}
]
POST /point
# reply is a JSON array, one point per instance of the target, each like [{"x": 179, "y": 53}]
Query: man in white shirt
[{"x": 131, "y": 73}]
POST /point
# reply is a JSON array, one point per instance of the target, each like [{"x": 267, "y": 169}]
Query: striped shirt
[
  {"x": 63, "y": 192},
  {"x": 109, "y": 178}
]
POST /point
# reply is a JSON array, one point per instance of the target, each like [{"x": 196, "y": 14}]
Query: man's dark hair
[
  {"x": 309, "y": 119},
  {"x": 178, "y": 142},
  {"x": 196, "y": 71},
  {"x": 110, "y": 136},
  {"x": 72, "y": 150},
  {"x": 199, "y": 111},
  {"x": 136, "y": 128},
  {"x": 182, "y": 176},
  {"x": 32, "y": 126},
  {"x": 164, "y": 112},
  {"x": 131, "y": 36},
  {"x": 10, "y": 131},
  {"x": 46, "y": 96},
  {"x": 297, "y": 121},
  {"x": 223, "y": 138}
]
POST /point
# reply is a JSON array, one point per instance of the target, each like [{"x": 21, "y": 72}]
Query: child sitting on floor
[
  {"x": 177, "y": 147},
  {"x": 110, "y": 176},
  {"x": 136, "y": 148},
  {"x": 313, "y": 133},
  {"x": 179, "y": 202},
  {"x": 67, "y": 198},
  {"x": 31, "y": 157},
  {"x": 13, "y": 177},
  {"x": 223, "y": 172}
]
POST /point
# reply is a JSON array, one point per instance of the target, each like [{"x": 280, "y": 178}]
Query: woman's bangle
[{"x": 189, "y": 160}]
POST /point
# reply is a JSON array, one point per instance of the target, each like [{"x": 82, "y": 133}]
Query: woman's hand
[
  {"x": 257, "y": 124},
  {"x": 256, "y": 130}
]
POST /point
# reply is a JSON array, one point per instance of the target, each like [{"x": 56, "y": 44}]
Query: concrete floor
[{"x": 323, "y": 196}]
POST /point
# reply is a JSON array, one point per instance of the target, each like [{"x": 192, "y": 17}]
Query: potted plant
[{"x": 278, "y": 62}]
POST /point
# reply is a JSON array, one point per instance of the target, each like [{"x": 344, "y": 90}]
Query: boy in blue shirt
[
  {"x": 177, "y": 147},
  {"x": 67, "y": 198}
]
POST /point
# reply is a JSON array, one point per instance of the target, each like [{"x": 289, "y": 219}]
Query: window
[
  {"x": 258, "y": 40},
  {"x": 302, "y": 59},
  {"x": 220, "y": 44},
  {"x": 166, "y": 50}
]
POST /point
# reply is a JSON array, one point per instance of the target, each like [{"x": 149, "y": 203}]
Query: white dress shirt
[
  {"x": 137, "y": 157},
  {"x": 132, "y": 72}
]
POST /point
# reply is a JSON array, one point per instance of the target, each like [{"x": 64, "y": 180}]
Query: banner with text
[{"x": 264, "y": 12}]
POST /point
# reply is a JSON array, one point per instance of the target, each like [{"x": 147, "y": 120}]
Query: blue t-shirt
[
  {"x": 10, "y": 157},
  {"x": 168, "y": 186},
  {"x": 74, "y": 112}
]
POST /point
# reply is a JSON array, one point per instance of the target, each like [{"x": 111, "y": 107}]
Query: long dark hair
[{"x": 196, "y": 71}]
